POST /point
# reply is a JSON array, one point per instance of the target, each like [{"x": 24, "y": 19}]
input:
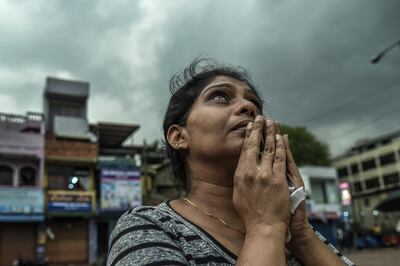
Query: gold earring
[{"x": 177, "y": 143}]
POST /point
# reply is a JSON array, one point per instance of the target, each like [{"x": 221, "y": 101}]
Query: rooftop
[
  {"x": 55, "y": 86},
  {"x": 112, "y": 135},
  {"x": 30, "y": 121},
  {"x": 371, "y": 143}
]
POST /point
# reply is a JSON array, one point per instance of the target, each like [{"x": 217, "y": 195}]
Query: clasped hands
[{"x": 261, "y": 194}]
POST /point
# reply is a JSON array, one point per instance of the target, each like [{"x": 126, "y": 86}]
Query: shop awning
[
  {"x": 391, "y": 203},
  {"x": 112, "y": 135},
  {"x": 21, "y": 218}
]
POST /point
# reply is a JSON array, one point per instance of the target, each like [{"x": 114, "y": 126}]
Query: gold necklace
[{"x": 210, "y": 215}]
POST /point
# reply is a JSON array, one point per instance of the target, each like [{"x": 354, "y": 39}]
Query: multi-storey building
[
  {"x": 64, "y": 182},
  {"x": 71, "y": 153},
  {"x": 118, "y": 179},
  {"x": 21, "y": 193},
  {"x": 372, "y": 168}
]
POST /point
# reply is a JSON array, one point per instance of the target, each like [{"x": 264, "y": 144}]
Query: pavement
[{"x": 375, "y": 257}]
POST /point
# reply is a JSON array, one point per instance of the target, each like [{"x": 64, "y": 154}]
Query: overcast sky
[{"x": 310, "y": 59}]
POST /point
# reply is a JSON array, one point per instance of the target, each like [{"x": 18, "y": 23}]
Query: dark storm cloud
[{"x": 309, "y": 58}]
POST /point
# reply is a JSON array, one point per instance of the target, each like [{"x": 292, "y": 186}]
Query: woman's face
[{"x": 216, "y": 124}]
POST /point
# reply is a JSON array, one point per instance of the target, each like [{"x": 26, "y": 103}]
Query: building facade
[
  {"x": 71, "y": 153},
  {"x": 21, "y": 193},
  {"x": 118, "y": 179},
  {"x": 372, "y": 168},
  {"x": 64, "y": 182}
]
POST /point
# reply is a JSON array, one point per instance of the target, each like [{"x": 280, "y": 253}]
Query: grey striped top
[{"x": 160, "y": 236}]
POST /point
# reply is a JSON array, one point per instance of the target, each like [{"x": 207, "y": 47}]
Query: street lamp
[{"x": 378, "y": 57}]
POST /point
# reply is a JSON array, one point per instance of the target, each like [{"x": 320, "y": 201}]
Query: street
[{"x": 374, "y": 257}]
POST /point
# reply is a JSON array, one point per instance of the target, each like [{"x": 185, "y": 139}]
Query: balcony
[
  {"x": 22, "y": 134},
  {"x": 69, "y": 150}
]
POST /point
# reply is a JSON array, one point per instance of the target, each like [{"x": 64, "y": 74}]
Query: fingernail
[
  {"x": 277, "y": 136},
  {"x": 258, "y": 118},
  {"x": 269, "y": 122},
  {"x": 250, "y": 125}
]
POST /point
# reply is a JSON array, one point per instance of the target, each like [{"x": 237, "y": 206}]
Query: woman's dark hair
[{"x": 185, "y": 86}]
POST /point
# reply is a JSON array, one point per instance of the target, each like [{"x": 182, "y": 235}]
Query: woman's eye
[{"x": 219, "y": 96}]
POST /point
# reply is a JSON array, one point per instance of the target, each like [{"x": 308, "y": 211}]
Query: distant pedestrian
[{"x": 340, "y": 237}]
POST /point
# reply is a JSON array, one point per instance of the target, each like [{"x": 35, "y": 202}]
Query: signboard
[
  {"x": 120, "y": 189},
  {"x": 68, "y": 201},
  {"x": 345, "y": 193},
  {"x": 21, "y": 201}
]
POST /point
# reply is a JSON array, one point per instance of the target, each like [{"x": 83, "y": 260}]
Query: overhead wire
[
  {"x": 377, "y": 118},
  {"x": 352, "y": 103}
]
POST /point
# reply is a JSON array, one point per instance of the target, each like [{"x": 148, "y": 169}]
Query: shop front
[
  {"x": 68, "y": 226},
  {"x": 21, "y": 217},
  {"x": 120, "y": 190}
]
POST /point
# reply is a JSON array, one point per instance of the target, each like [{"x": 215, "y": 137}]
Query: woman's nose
[{"x": 246, "y": 107}]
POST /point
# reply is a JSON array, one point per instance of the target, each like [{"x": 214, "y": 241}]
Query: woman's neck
[{"x": 214, "y": 198}]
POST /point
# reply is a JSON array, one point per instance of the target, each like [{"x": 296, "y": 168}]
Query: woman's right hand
[{"x": 261, "y": 195}]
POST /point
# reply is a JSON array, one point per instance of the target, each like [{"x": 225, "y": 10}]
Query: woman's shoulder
[
  {"x": 144, "y": 215},
  {"x": 142, "y": 233}
]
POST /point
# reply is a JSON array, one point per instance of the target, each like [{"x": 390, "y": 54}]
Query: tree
[{"x": 306, "y": 148}]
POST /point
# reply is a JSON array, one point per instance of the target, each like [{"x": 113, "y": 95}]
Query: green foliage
[{"x": 306, "y": 148}]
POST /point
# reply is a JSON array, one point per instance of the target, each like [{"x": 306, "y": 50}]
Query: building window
[
  {"x": 391, "y": 179},
  {"x": 366, "y": 202},
  {"x": 67, "y": 110},
  {"x": 372, "y": 183},
  {"x": 27, "y": 176},
  {"x": 368, "y": 164},
  {"x": 6, "y": 175},
  {"x": 369, "y": 147},
  {"x": 324, "y": 191},
  {"x": 342, "y": 172},
  {"x": 387, "y": 159},
  {"x": 354, "y": 168},
  {"x": 68, "y": 178},
  {"x": 357, "y": 186}
]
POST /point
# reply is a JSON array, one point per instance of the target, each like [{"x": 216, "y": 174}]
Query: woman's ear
[{"x": 177, "y": 138}]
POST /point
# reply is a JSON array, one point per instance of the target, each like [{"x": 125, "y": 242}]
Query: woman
[{"x": 235, "y": 167}]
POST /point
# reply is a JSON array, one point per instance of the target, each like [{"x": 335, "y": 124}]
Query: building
[
  {"x": 322, "y": 200},
  {"x": 71, "y": 153},
  {"x": 164, "y": 187},
  {"x": 118, "y": 179},
  {"x": 21, "y": 193},
  {"x": 372, "y": 168}
]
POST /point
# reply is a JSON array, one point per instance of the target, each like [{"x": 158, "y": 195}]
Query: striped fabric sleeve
[
  {"x": 294, "y": 262},
  {"x": 137, "y": 240},
  {"x": 335, "y": 250}
]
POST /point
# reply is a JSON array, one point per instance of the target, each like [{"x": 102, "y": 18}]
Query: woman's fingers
[
  {"x": 269, "y": 147},
  {"x": 251, "y": 145},
  {"x": 278, "y": 127},
  {"x": 292, "y": 169},
  {"x": 279, "y": 165}
]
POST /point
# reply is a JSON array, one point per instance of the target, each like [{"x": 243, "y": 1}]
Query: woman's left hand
[
  {"x": 304, "y": 244},
  {"x": 298, "y": 222}
]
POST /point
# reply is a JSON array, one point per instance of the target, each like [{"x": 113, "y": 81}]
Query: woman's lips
[{"x": 241, "y": 125}]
